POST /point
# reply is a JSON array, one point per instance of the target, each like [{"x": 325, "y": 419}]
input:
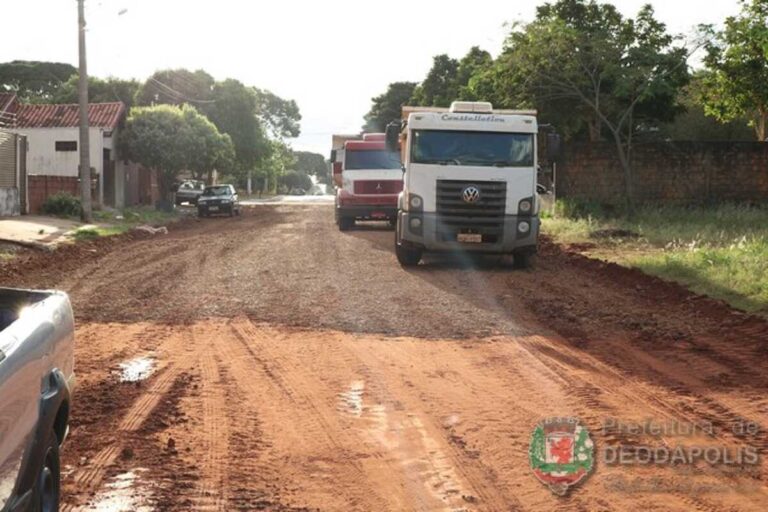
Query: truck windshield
[
  {"x": 490, "y": 149},
  {"x": 376, "y": 159}
]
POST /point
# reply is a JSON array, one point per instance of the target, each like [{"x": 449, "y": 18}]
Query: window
[
  {"x": 66, "y": 145},
  {"x": 371, "y": 159},
  {"x": 487, "y": 149}
]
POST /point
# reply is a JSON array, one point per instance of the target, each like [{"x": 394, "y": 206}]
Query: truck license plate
[
  {"x": 213, "y": 208},
  {"x": 470, "y": 238}
]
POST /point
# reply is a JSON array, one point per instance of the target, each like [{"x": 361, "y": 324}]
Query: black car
[{"x": 218, "y": 199}]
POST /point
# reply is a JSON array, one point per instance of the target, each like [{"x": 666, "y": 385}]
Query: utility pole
[{"x": 82, "y": 89}]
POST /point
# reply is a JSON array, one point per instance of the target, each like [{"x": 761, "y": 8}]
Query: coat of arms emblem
[{"x": 561, "y": 453}]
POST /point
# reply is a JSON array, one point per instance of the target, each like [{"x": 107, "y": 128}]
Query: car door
[{"x": 21, "y": 362}]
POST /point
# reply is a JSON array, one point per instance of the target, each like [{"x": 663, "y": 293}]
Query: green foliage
[
  {"x": 439, "y": 88},
  {"x": 33, "y": 81},
  {"x": 737, "y": 57},
  {"x": 171, "y": 139},
  {"x": 312, "y": 164},
  {"x": 695, "y": 124},
  {"x": 99, "y": 90},
  {"x": 234, "y": 113},
  {"x": 280, "y": 116},
  {"x": 62, "y": 204},
  {"x": 387, "y": 107},
  {"x": 176, "y": 87},
  {"x": 720, "y": 251},
  {"x": 295, "y": 179}
]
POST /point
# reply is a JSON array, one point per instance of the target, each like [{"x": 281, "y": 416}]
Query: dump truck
[
  {"x": 470, "y": 181},
  {"x": 371, "y": 181}
]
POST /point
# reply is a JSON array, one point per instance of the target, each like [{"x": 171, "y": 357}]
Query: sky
[{"x": 331, "y": 56}]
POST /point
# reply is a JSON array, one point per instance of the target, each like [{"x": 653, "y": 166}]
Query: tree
[
  {"x": 207, "y": 149},
  {"x": 281, "y": 116},
  {"x": 177, "y": 87},
  {"x": 295, "y": 179},
  {"x": 439, "y": 88},
  {"x": 99, "y": 91},
  {"x": 170, "y": 139},
  {"x": 475, "y": 62},
  {"x": 737, "y": 58},
  {"x": 625, "y": 73},
  {"x": 33, "y": 81},
  {"x": 233, "y": 111},
  {"x": 312, "y": 164},
  {"x": 387, "y": 107},
  {"x": 695, "y": 124}
]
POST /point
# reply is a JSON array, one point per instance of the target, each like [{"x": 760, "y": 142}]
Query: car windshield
[
  {"x": 376, "y": 159},
  {"x": 489, "y": 149},
  {"x": 217, "y": 191}
]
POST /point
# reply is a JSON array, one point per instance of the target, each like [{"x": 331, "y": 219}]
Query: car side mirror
[
  {"x": 554, "y": 147},
  {"x": 333, "y": 156},
  {"x": 393, "y": 136}
]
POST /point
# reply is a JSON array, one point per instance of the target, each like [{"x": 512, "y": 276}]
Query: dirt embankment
[{"x": 297, "y": 367}]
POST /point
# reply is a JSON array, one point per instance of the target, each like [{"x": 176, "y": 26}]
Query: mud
[{"x": 299, "y": 368}]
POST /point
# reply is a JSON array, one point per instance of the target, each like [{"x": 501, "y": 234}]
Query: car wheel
[{"x": 48, "y": 483}]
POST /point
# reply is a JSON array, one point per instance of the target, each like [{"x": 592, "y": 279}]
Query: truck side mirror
[
  {"x": 333, "y": 156},
  {"x": 393, "y": 136},
  {"x": 554, "y": 147}
]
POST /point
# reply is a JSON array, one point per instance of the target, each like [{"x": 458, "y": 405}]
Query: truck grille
[
  {"x": 484, "y": 217},
  {"x": 378, "y": 186}
]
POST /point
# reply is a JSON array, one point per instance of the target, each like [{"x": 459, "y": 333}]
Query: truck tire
[
  {"x": 406, "y": 256},
  {"x": 48, "y": 484},
  {"x": 522, "y": 260},
  {"x": 346, "y": 223}
]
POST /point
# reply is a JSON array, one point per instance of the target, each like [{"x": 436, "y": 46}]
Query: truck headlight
[
  {"x": 525, "y": 206},
  {"x": 523, "y": 227},
  {"x": 415, "y": 222},
  {"x": 415, "y": 202}
]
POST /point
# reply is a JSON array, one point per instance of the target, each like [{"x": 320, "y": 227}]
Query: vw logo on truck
[{"x": 471, "y": 195}]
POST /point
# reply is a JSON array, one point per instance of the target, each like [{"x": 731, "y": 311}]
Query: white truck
[
  {"x": 470, "y": 181},
  {"x": 36, "y": 382}
]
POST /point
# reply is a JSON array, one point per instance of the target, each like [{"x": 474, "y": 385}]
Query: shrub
[{"x": 62, "y": 204}]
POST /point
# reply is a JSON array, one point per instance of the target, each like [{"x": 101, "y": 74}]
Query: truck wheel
[
  {"x": 407, "y": 256},
  {"x": 522, "y": 260},
  {"x": 47, "y": 486},
  {"x": 346, "y": 223}
]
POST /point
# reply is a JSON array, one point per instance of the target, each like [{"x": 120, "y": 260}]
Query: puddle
[
  {"x": 137, "y": 369},
  {"x": 352, "y": 399},
  {"x": 122, "y": 494}
]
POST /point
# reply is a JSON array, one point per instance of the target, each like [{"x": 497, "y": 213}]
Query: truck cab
[
  {"x": 470, "y": 181},
  {"x": 371, "y": 180}
]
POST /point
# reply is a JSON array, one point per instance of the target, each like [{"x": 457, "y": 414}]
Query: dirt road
[{"x": 270, "y": 362}]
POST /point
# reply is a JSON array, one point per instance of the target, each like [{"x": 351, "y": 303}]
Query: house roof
[
  {"x": 101, "y": 115},
  {"x": 6, "y": 100}
]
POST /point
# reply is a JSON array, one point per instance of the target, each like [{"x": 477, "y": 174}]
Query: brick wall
[
  {"x": 676, "y": 172},
  {"x": 41, "y": 187}
]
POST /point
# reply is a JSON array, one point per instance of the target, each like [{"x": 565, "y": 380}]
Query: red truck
[{"x": 371, "y": 180}]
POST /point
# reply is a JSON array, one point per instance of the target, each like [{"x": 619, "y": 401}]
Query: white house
[{"x": 53, "y": 140}]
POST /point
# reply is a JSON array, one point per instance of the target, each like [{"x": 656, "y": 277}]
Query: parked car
[
  {"x": 218, "y": 199},
  {"x": 189, "y": 192},
  {"x": 36, "y": 383}
]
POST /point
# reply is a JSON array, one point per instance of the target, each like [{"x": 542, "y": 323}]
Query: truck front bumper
[{"x": 428, "y": 237}]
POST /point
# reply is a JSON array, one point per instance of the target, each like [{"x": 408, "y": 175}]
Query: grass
[
  {"x": 718, "y": 251},
  {"x": 118, "y": 223}
]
